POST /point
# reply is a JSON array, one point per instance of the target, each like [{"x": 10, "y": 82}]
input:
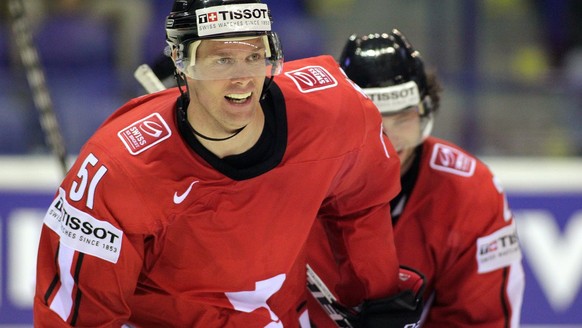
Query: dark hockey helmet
[
  {"x": 389, "y": 70},
  {"x": 383, "y": 60},
  {"x": 191, "y": 21}
]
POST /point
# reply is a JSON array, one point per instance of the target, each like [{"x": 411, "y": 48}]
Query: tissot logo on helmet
[
  {"x": 233, "y": 18},
  {"x": 225, "y": 15},
  {"x": 393, "y": 94},
  {"x": 394, "y": 98}
]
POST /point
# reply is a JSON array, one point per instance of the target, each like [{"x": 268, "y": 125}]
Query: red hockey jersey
[
  {"x": 456, "y": 228},
  {"x": 145, "y": 231}
]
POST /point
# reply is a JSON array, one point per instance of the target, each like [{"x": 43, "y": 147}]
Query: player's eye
[
  {"x": 225, "y": 61},
  {"x": 255, "y": 57},
  {"x": 406, "y": 117}
]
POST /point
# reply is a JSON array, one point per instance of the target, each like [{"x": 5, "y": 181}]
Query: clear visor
[
  {"x": 229, "y": 58},
  {"x": 408, "y": 127}
]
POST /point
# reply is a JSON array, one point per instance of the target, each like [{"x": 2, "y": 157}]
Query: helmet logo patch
[
  {"x": 233, "y": 19},
  {"x": 312, "y": 78},
  {"x": 452, "y": 160},
  {"x": 394, "y": 98},
  {"x": 144, "y": 133}
]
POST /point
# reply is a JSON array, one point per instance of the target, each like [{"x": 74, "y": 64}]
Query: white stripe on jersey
[{"x": 62, "y": 304}]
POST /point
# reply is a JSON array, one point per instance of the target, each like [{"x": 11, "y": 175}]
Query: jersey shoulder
[
  {"x": 319, "y": 85},
  {"x": 467, "y": 199},
  {"x": 460, "y": 190},
  {"x": 462, "y": 183},
  {"x": 129, "y": 153},
  {"x": 450, "y": 161},
  {"x": 141, "y": 124},
  {"x": 319, "y": 97}
]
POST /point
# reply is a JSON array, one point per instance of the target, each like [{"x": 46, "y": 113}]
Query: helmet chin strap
[
  {"x": 428, "y": 125},
  {"x": 427, "y": 116},
  {"x": 266, "y": 85},
  {"x": 180, "y": 77}
]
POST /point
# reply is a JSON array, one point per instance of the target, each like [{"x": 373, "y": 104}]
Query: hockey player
[
  {"x": 451, "y": 218},
  {"x": 191, "y": 207}
]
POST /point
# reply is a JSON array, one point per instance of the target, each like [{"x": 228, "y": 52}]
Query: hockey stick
[
  {"x": 20, "y": 28},
  {"x": 326, "y": 299},
  {"x": 149, "y": 80}
]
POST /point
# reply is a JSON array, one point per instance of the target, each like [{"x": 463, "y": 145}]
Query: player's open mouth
[{"x": 238, "y": 98}]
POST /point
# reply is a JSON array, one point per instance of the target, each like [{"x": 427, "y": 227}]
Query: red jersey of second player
[{"x": 455, "y": 228}]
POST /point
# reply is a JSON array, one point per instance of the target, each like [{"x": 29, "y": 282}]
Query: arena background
[{"x": 512, "y": 76}]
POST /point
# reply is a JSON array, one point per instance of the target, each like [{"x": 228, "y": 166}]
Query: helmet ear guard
[
  {"x": 427, "y": 116},
  {"x": 276, "y": 52},
  {"x": 427, "y": 105}
]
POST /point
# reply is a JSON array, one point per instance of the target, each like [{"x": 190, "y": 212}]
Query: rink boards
[{"x": 545, "y": 196}]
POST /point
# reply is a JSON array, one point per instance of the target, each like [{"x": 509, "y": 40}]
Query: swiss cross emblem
[{"x": 212, "y": 17}]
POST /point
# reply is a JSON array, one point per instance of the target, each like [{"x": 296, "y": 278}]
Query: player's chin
[{"x": 404, "y": 153}]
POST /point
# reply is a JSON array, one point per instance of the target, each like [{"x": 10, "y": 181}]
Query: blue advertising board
[
  {"x": 20, "y": 219},
  {"x": 550, "y": 231},
  {"x": 549, "y": 221}
]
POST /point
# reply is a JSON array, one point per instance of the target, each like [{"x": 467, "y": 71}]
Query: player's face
[
  {"x": 404, "y": 131},
  {"x": 229, "y": 98}
]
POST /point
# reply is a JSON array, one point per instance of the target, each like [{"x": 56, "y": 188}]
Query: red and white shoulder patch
[
  {"x": 312, "y": 78},
  {"x": 448, "y": 159},
  {"x": 145, "y": 133},
  {"x": 498, "y": 250}
]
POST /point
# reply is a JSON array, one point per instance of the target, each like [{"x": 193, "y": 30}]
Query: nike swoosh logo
[{"x": 180, "y": 198}]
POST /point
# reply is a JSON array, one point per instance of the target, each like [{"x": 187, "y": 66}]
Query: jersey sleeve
[
  {"x": 89, "y": 260},
  {"x": 356, "y": 221},
  {"x": 484, "y": 285}
]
